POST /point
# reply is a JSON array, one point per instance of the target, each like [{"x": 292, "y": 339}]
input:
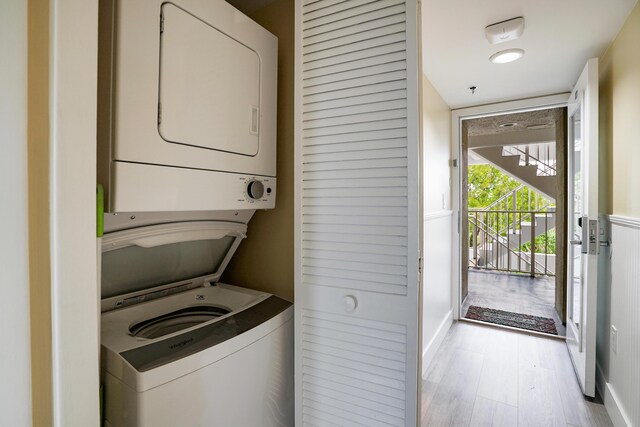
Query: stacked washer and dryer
[{"x": 186, "y": 154}]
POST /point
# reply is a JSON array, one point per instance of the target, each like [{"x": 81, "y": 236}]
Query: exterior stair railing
[
  {"x": 505, "y": 240},
  {"x": 541, "y": 155},
  {"x": 502, "y": 235}
]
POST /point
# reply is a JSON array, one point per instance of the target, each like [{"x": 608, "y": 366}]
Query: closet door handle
[{"x": 350, "y": 303}]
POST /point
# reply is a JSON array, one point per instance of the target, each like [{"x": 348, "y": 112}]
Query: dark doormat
[{"x": 515, "y": 320}]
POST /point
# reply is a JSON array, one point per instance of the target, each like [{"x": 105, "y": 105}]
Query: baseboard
[
  {"x": 611, "y": 401},
  {"x": 432, "y": 347}
]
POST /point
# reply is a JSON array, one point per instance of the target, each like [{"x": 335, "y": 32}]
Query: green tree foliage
[
  {"x": 487, "y": 184},
  {"x": 545, "y": 243}
]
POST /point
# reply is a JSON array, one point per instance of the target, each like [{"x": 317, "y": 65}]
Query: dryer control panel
[
  {"x": 260, "y": 189},
  {"x": 161, "y": 189}
]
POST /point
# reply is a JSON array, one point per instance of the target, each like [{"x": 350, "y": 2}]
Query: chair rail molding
[
  {"x": 430, "y": 216},
  {"x": 625, "y": 221}
]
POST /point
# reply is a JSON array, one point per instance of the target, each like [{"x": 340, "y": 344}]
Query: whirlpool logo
[{"x": 181, "y": 344}]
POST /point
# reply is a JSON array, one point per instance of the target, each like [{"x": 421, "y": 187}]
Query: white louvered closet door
[{"x": 357, "y": 213}]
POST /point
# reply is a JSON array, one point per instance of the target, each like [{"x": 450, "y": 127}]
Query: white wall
[
  {"x": 436, "y": 290},
  {"x": 15, "y": 362},
  {"x": 436, "y": 122}
]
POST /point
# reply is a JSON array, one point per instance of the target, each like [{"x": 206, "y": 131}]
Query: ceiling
[
  {"x": 559, "y": 37},
  {"x": 522, "y": 121}
]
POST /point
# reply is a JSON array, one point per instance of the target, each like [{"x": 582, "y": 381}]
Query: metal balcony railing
[
  {"x": 510, "y": 241},
  {"x": 520, "y": 196}
]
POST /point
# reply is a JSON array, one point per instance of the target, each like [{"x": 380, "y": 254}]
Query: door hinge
[
  {"x": 420, "y": 263},
  {"x": 161, "y": 23},
  {"x": 159, "y": 113}
]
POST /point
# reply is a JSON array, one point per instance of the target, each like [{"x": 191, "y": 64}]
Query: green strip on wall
[{"x": 100, "y": 210}]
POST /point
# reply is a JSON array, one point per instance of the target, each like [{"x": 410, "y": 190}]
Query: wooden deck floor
[
  {"x": 486, "y": 376},
  {"x": 518, "y": 294}
]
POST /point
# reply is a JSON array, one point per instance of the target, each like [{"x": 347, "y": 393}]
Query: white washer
[{"x": 191, "y": 352}]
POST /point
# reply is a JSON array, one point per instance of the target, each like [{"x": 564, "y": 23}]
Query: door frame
[
  {"x": 75, "y": 299},
  {"x": 457, "y": 117}
]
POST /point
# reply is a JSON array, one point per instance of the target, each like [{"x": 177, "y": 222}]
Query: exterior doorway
[{"x": 512, "y": 215}]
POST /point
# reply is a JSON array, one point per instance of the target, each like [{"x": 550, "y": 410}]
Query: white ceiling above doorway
[{"x": 559, "y": 37}]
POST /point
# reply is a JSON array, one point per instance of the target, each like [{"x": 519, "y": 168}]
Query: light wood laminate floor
[
  {"x": 487, "y": 376},
  {"x": 518, "y": 294}
]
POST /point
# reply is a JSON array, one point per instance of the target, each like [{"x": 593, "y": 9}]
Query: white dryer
[
  {"x": 181, "y": 349},
  {"x": 186, "y": 107}
]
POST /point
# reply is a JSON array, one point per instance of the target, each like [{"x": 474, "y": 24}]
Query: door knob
[{"x": 350, "y": 303}]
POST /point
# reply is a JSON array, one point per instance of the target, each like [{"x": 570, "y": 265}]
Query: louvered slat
[
  {"x": 390, "y": 172},
  {"x": 364, "y": 108},
  {"x": 364, "y": 117},
  {"x": 351, "y": 256},
  {"x": 334, "y": 7},
  {"x": 350, "y": 57},
  {"x": 350, "y": 39},
  {"x": 363, "y": 64},
  {"x": 354, "y": 367},
  {"x": 356, "y": 183},
  {"x": 353, "y": 247},
  {"x": 347, "y": 14},
  {"x": 371, "y": 395},
  {"x": 355, "y": 155},
  {"x": 353, "y": 49},
  {"x": 353, "y": 204}
]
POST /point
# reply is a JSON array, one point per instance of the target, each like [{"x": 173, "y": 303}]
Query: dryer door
[{"x": 209, "y": 86}]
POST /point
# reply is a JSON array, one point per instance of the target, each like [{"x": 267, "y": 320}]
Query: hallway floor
[
  {"x": 487, "y": 376},
  {"x": 518, "y": 294}
]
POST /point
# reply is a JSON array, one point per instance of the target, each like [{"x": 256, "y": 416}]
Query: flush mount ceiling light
[{"x": 505, "y": 56}]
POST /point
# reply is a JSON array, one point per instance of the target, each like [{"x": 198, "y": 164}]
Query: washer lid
[{"x": 147, "y": 257}]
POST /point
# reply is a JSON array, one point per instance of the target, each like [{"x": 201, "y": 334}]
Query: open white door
[
  {"x": 357, "y": 213},
  {"x": 583, "y": 228}
]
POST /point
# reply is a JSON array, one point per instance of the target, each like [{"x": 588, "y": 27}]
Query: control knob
[{"x": 255, "y": 190}]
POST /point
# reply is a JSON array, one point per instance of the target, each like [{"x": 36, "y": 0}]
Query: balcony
[
  {"x": 512, "y": 248},
  {"x": 533, "y": 296}
]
